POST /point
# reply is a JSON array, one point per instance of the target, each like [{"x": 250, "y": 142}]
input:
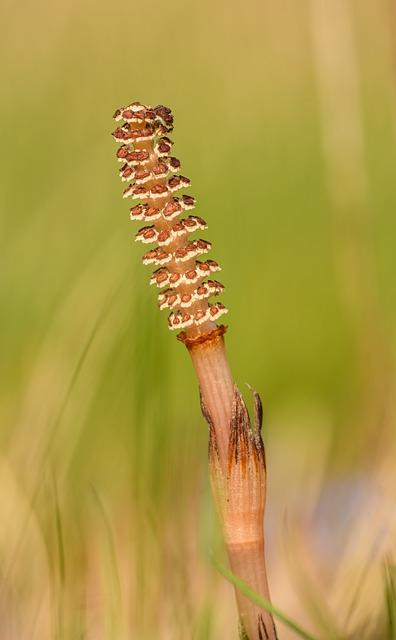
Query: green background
[{"x": 285, "y": 121}]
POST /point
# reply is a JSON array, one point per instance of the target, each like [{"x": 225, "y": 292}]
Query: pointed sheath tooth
[
  {"x": 163, "y": 146},
  {"x": 187, "y": 202},
  {"x": 172, "y": 209},
  {"x": 160, "y": 278},
  {"x": 147, "y": 235}
]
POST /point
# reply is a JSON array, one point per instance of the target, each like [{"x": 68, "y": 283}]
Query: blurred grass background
[{"x": 286, "y": 122}]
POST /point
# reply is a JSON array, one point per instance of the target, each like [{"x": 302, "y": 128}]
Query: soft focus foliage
[{"x": 286, "y": 122}]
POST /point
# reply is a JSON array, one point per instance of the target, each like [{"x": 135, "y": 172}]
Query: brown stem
[
  {"x": 248, "y": 563},
  {"x": 238, "y": 475},
  {"x": 216, "y": 384},
  {"x": 236, "y": 452}
]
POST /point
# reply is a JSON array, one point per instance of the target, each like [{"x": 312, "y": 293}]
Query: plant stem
[
  {"x": 238, "y": 475},
  {"x": 216, "y": 384},
  {"x": 236, "y": 451},
  {"x": 247, "y": 561}
]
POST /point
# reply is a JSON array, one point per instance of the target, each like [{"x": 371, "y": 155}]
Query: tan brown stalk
[{"x": 236, "y": 451}]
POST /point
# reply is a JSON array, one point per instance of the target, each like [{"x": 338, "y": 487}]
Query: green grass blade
[
  {"x": 61, "y": 562},
  {"x": 262, "y": 602},
  {"x": 58, "y": 418},
  {"x": 112, "y": 578},
  {"x": 59, "y": 537},
  {"x": 390, "y": 600}
]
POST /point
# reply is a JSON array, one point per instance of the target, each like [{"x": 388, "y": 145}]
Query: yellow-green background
[{"x": 107, "y": 526}]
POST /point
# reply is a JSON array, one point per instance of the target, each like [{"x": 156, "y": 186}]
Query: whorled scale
[{"x": 155, "y": 182}]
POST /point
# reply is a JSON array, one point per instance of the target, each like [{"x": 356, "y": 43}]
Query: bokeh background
[{"x": 285, "y": 120}]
